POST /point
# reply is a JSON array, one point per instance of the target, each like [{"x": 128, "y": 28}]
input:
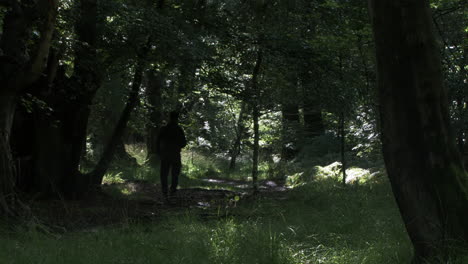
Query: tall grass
[{"x": 317, "y": 222}]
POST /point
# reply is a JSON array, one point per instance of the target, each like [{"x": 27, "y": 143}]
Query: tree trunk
[
  {"x": 313, "y": 121},
  {"x": 422, "y": 161},
  {"x": 465, "y": 150},
  {"x": 236, "y": 146},
  {"x": 256, "y": 116},
  {"x": 291, "y": 126},
  {"x": 342, "y": 143},
  {"x": 256, "y": 147},
  {"x": 154, "y": 99},
  {"x": 61, "y": 137},
  {"x": 18, "y": 70},
  {"x": 98, "y": 173},
  {"x": 21, "y": 142},
  {"x": 291, "y": 121},
  {"x": 7, "y": 179},
  {"x": 121, "y": 154},
  {"x": 58, "y": 141}
]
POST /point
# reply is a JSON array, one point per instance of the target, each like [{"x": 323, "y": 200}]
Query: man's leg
[
  {"x": 176, "y": 167},
  {"x": 165, "y": 165}
]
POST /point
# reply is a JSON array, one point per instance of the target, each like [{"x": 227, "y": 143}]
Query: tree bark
[
  {"x": 154, "y": 98},
  {"x": 7, "y": 179},
  {"x": 18, "y": 70},
  {"x": 121, "y": 154},
  {"x": 424, "y": 167},
  {"x": 256, "y": 147},
  {"x": 342, "y": 143},
  {"x": 255, "y": 116},
  {"x": 60, "y": 135},
  {"x": 290, "y": 129},
  {"x": 236, "y": 146},
  {"x": 98, "y": 173},
  {"x": 313, "y": 120},
  {"x": 291, "y": 121}
]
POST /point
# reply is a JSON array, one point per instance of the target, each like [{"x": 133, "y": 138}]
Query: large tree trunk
[
  {"x": 290, "y": 129},
  {"x": 7, "y": 180},
  {"x": 121, "y": 154},
  {"x": 291, "y": 121},
  {"x": 19, "y": 68},
  {"x": 422, "y": 161},
  {"x": 154, "y": 99},
  {"x": 313, "y": 120},
  {"x": 59, "y": 136},
  {"x": 98, "y": 173},
  {"x": 21, "y": 142}
]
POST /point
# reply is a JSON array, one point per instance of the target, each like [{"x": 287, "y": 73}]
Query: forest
[{"x": 325, "y": 131}]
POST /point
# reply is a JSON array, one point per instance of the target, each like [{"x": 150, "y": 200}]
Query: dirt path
[{"x": 143, "y": 201}]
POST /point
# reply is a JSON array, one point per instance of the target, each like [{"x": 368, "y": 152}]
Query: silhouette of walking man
[{"x": 169, "y": 143}]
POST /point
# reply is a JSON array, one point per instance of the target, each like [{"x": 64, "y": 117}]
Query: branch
[
  {"x": 48, "y": 14},
  {"x": 98, "y": 173}
]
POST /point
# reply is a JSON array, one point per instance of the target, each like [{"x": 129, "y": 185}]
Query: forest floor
[
  {"x": 139, "y": 200},
  {"x": 215, "y": 220}
]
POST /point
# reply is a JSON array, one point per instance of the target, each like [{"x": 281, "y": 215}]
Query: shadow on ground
[{"x": 142, "y": 201}]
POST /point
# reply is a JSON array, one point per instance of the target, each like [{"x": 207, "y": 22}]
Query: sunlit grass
[
  {"x": 138, "y": 151},
  {"x": 354, "y": 175},
  {"x": 318, "y": 222}
]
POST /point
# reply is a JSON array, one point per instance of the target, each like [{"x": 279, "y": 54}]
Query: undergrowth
[{"x": 317, "y": 222}]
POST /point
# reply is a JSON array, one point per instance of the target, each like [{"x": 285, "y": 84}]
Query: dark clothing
[
  {"x": 175, "y": 170},
  {"x": 169, "y": 143}
]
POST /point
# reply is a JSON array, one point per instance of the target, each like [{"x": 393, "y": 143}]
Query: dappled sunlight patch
[
  {"x": 296, "y": 179},
  {"x": 214, "y": 180},
  {"x": 331, "y": 171},
  {"x": 140, "y": 173},
  {"x": 132, "y": 190},
  {"x": 321, "y": 222},
  {"x": 357, "y": 175},
  {"x": 138, "y": 151},
  {"x": 113, "y": 178},
  {"x": 122, "y": 189}
]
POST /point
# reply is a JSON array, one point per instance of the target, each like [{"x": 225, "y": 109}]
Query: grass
[{"x": 316, "y": 222}]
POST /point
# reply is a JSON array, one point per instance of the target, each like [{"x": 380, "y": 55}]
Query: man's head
[{"x": 174, "y": 116}]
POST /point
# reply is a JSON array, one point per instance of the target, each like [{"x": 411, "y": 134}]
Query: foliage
[{"x": 317, "y": 54}]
